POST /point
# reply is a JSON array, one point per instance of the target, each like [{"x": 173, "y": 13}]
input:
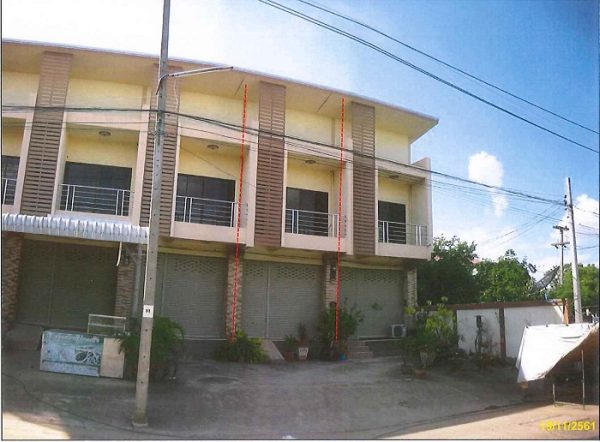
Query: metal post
[
  {"x": 141, "y": 390},
  {"x": 582, "y": 379},
  {"x": 574, "y": 264}
]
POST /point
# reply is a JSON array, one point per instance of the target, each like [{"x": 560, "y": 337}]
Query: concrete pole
[
  {"x": 141, "y": 390},
  {"x": 574, "y": 264}
]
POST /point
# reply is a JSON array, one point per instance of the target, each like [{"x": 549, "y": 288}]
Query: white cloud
[{"x": 485, "y": 168}]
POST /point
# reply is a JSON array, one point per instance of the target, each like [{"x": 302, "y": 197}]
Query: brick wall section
[
  {"x": 12, "y": 246},
  {"x": 229, "y": 293},
  {"x": 411, "y": 288},
  {"x": 125, "y": 284},
  {"x": 330, "y": 285}
]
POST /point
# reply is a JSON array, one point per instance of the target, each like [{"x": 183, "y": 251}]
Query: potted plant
[
  {"x": 348, "y": 320},
  {"x": 303, "y": 342},
  {"x": 167, "y": 348},
  {"x": 427, "y": 346},
  {"x": 456, "y": 361},
  {"x": 290, "y": 346}
]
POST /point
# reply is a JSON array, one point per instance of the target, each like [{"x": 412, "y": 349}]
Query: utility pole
[
  {"x": 574, "y": 265},
  {"x": 562, "y": 244},
  {"x": 141, "y": 388}
]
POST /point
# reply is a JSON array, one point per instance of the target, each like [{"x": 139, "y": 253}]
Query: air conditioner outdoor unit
[{"x": 398, "y": 330}]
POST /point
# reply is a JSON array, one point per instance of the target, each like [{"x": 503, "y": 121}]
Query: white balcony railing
[
  {"x": 207, "y": 211},
  {"x": 402, "y": 233},
  {"x": 9, "y": 187},
  {"x": 306, "y": 222},
  {"x": 108, "y": 201}
]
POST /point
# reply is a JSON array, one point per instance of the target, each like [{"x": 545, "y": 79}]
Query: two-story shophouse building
[{"x": 77, "y": 145}]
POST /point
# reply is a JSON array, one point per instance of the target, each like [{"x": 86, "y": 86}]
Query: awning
[
  {"x": 100, "y": 230},
  {"x": 544, "y": 346}
]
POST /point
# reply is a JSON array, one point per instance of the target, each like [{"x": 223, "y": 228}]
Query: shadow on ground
[{"x": 213, "y": 400}]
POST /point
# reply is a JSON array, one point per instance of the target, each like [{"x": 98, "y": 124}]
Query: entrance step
[
  {"x": 272, "y": 353},
  {"x": 23, "y": 337},
  {"x": 359, "y": 350}
]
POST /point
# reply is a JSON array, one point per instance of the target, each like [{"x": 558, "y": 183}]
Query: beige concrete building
[{"x": 77, "y": 139}]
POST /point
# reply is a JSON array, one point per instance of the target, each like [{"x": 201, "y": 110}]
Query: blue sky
[{"x": 545, "y": 51}]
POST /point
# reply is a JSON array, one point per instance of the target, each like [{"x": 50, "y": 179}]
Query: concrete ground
[{"x": 212, "y": 400}]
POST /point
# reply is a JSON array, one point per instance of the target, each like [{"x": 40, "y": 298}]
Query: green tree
[
  {"x": 588, "y": 283},
  {"x": 449, "y": 274},
  {"x": 506, "y": 279}
]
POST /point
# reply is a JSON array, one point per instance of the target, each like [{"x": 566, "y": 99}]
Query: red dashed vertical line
[
  {"x": 339, "y": 226},
  {"x": 239, "y": 216}
]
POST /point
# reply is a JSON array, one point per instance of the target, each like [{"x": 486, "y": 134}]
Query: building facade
[{"x": 77, "y": 147}]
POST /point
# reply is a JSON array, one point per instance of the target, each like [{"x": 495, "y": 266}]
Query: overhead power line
[
  {"x": 475, "y": 195},
  {"x": 395, "y": 57},
  {"x": 249, "y": 129},
  {"x": 448, "y": 65}
]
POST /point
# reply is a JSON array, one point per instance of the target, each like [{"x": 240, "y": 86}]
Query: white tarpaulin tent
[{"x": 544, "y": 346}]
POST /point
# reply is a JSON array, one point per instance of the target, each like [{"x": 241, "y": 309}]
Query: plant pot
[
  {"x": 302, "y": 353},
  {"x": 427, "y": 358},
  {"x": 420, "y": 373},
  {"x": 289, "y": 356}
]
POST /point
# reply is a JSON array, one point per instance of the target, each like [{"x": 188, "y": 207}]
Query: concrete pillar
[
  {"x": 125, "y": 285},
  {"x": 329, "y": 283},
  {"x": 229, "y": 294},
  {"x": 411, "y": 288},
  {"x": 12, "y": 246}
]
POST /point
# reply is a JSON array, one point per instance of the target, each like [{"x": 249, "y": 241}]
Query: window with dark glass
[
  {"x": 96, "y": 188},
  {"x": 307, "y": 212},
  {"x": 205, "y": 200},
  {"x": 392, "y": 222},
  {"x": 10, "y": 169}
]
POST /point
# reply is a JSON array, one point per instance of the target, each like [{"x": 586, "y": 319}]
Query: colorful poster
[{"x": 71, "y": 352}]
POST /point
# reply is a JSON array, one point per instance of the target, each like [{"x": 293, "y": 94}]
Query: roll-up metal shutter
[
  {"x": 35, "y": 288},
  {"x": 254, "y": 299},
  {"x": 191, "y": 291},
  {"x": 294, "y": 297},
  {"x": 278, "y": 297},
  {"x": 61, "y": 284},
  {"x": 377, "y": 294}
]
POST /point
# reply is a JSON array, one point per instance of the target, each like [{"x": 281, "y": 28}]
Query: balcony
[
  {"x": 208, "y": 219},
  {"x": 305, "y": 222},
  {"x": 310, "y": 230},
  {"x": 9, "y": 188},
  {"x": 90, "y": 199},
  {"x": 206, "y": 211},
  {"x": 402, "y": 240},
  {"x": 402, "y": 233}
]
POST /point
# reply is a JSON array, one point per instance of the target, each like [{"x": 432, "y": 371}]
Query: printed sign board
[{"x": 71, "y": 352}]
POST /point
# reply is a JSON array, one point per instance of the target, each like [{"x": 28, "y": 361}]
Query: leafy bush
[
  {"x": 167, "y": 346},
  {"x": 436, "y": 332},
  {"x": 348, "y": 321},
  {"x": 241, "y": 349},
  {"x": 290, "y": 344}
]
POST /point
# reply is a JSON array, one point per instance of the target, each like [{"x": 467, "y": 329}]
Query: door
[
  {"x": 61, "y": 284},
  {"x": 277, "y": 297},
  {"x": 191, "y": 291},
  {"x": 377, "y": 294}
]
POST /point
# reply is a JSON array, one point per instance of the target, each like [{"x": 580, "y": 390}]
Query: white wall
[
  {"x": 467, "y": 328},
  {"x": 515, "y": 320}
]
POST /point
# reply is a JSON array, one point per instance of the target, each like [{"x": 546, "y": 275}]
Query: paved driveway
[{"x": 212, "y": 400}]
